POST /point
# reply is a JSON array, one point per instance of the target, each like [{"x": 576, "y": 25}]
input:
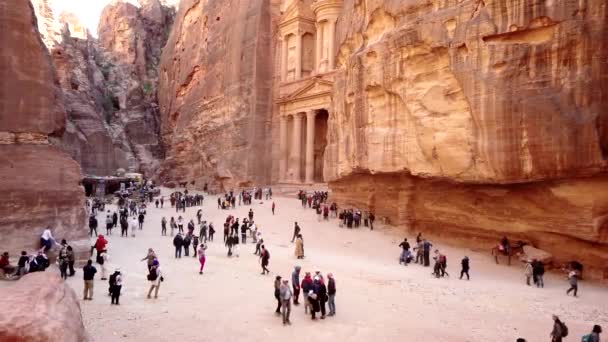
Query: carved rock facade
[{"x": 468, "y": 119}]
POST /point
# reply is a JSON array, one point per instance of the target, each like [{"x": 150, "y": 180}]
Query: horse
[{"x": 514, "y": 250}]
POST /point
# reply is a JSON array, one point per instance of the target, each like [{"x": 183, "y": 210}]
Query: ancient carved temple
[{"x": 307, "y": 63}]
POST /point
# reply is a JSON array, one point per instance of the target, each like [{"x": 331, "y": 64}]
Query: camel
[{"x": 514, "y": 250}]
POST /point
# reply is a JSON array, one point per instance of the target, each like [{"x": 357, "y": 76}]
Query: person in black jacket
[
  {"x": 92, "y": 225},
  {"x": 331, "y": 293},
  {"x": 538, "y": 270},
  {"x": 186, "y": 244},
  {"x": 321, "y": 291},
  {"x": 140, "y": 218},
  {"x": 465, "y": 267},
  {"x": 178, "y": 241},
  {"x": 124, "y": 226}
]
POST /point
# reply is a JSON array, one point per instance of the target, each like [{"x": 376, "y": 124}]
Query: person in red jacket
[
  {"x": 307, "y": 285},
  {"x": 100, "y": 245}
]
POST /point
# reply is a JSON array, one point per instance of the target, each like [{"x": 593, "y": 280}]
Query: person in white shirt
[
  {"x": 46, "y": 239},
  {"x": 133, "y": 225}
]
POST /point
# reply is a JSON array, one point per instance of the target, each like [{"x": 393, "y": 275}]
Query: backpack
[
  {"x": 564, "y": 329},
  {"x": 152, "y": 275},
  {"x": 112, "y": 280},
  {"x": 586, "y": 338}
]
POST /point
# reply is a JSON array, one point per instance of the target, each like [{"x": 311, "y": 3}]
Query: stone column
[
  {"x": 283, "y": 149},
  {"x": 298, "y": 55},
  {"x": 284, "y": 59},
  {"x": 296, "y": 148},
  {"x": 310, "y": 146},
  {"x": 331, "y": 32},
  {"x": 318, "y": 48}
]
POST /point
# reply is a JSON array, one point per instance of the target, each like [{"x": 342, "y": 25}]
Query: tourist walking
[
  {"x": 299, "y": 248},
  {"x": 273, "y": 207},
  {"x": 573, "y": 280},
  {"x": 71, "y": 259},
  {"x": 133, "y": 225},
  {"x": 594, "y": 336},
  {"x": 180, "y": 224},
  {"x": 405, "y": 251},
  {"x": 538, "y": 271},
  {"x": 331, "y": 294},
  {"x": 285, "y": 294},
  {"x": 277, "y": 294},
  {"x": 88, "y": 272},
  {"x": 163, "y": 226},
  {"x": 109, "y": 224},
  {"x": 201, "y": 257},
  {"x": 528, "y": 272},
  {"x": 155, "y": 277},
  {"x": 426, "y": 250},
  {"x": 211, "y": 231},
  {"x": 307, "y": 285},
  {"x": 92, "y": 225},
  {"x": 264, "y": 258},
  {"x": 102, "y": 261},
  {"x": 124, "y": 227},
  {"x": 465, "y": 267},
  {"x": 296, "y": 231},
  {"x": 186, "y": 244},
  {"x": 560, "y": 330},
  {"x": 178, "y": 241},
  {"x": 150, "y": 257},
  {"x": 140, "y": 219},
  {"x": 295, "y": 282},
  {"x": 47, "y": 240},
  {"x": 115, "y": 286}
]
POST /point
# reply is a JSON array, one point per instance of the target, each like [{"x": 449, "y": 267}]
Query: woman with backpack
[
  {"x": 155, "y": 277},
  {"x": 560, "y": 330}
]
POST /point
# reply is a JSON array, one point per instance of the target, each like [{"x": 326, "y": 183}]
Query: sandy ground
[{"x": 377, "y": 299}]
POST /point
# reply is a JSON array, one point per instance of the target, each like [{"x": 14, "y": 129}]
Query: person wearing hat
[
  {"x": 331, "y": 293},
  {"x": 313, "y": 301},
  {"x": 115, "y": 286},
  {"x": 285, "y": 293},
  {"x": 295, "y": 282}
]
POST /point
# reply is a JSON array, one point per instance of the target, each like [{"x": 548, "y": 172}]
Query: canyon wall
[
  {"x": 110, "y": 84},
  {"x": 469, "y": 119},
  {"x": 476, "y": 119},
  {"x": 215, "y": 93},
  {"x": 39, "y": 181}
]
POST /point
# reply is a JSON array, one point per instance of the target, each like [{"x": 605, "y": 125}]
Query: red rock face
[
  {"x": 39, "y": 181},
  {"x": 29, "y": 101},
  {"x": 41, "y": 307},
  {"x": 215, "y": 93}
]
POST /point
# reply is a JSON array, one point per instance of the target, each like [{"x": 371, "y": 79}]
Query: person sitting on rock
[{"x": 5, "y": 264}]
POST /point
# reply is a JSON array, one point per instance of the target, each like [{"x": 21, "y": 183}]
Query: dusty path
[{"x": 377, "y": 299}]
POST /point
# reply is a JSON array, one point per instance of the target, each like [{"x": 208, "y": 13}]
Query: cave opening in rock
[{"x": 320, "y": 143}]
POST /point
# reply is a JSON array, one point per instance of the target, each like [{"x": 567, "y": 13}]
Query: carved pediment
[
  {"x": 298, "y": 10},
  {"x": 314, "y": 88}
]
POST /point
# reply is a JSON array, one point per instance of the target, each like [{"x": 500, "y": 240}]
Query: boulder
[
  {"x": 40, "y": 307},
  {"x": 531, "y": 253}
]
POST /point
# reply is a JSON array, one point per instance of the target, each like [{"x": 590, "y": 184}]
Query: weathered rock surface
[
  {"x": 472, "y": 91},
  {"x": 433, "y": 98},
  {"x": 40, "y": 182},
  {"x": 109, "y": 85},
  {"x": 215, "y": 93},
  {"x": 41, "y": 307}
]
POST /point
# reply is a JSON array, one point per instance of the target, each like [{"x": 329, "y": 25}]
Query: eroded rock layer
[
  {"x": 109, "y": 84},
  {"x": 39, "y": 181}
]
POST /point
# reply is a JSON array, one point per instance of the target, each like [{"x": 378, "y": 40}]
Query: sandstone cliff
[
  {"x": 215, "y": 93},
  {"x": 41, "y": 307},
  {"x": 110, "y": 85},
  {"x": 39, "y": 181},
  {"x": 435, "y": 97}
]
